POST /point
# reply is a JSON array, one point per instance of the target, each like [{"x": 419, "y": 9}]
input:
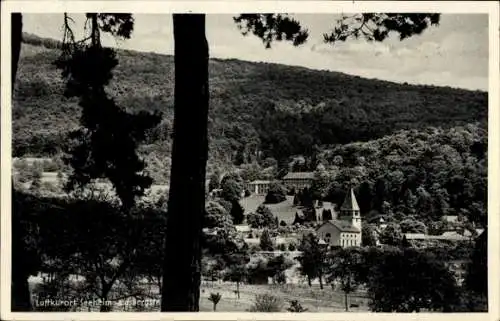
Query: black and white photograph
[{"x": 275, "y": 161}]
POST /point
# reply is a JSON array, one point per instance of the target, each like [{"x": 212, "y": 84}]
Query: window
[{"x": 327, "y": 237}]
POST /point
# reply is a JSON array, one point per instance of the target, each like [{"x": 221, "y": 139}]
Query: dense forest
[
  {"x": 257, "y": 110},
  {"x": 421, "y": 174}
]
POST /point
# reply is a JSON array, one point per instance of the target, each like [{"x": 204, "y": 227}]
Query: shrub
[
  {"x": 266, "y": 303},
  {"x": 266, "y": 243},
  {"x": 292, "y": 247},
  {"x": 263, "y": 217},
  {"x": 282, "y": 223},
  {"x": 282, "y": 247},
  {"x": 215, "y": 298},
  {"x": 295, "y": 306},
  {"x": 276, "y": 194}
]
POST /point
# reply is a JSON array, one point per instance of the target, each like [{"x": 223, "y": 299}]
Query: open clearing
[
  {"x": 312, "y": 298},
  {"x": 285, "y": 211}
]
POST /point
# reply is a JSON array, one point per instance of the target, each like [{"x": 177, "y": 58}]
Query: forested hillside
[
  {"x": 260, "y": 109},
  {"x": 424, "y": 174}
]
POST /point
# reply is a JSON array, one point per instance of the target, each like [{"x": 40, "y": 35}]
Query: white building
[
  {"x": 346, "y": 230},
  {"x": 258, "y": 187}
]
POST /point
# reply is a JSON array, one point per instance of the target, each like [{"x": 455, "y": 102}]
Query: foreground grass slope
[{"x": 280, "y": 110}]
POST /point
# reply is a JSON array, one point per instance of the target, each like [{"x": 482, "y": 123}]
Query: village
[{"x": 334, "y": 225}]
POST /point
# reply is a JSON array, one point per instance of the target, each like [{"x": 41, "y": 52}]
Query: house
[
  {"x": 258, "y": 187},
  {"x": 346, "y": 230},
  {"x": 298, "y": 180}
]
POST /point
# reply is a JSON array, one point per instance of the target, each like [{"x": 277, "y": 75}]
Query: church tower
[{"x": 349, "y": 211}]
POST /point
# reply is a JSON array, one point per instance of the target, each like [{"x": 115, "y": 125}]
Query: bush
[
  {"x": 282, "y": 247},
  {"x": 295, "y": 306},
  {"x": 292, "y": 247},
  {"x": 266, "y": 243},
  {"x": 254, "y": 248},
  {"x": 276, "y": 194},
  {"x": 266, "y": 303},
  {"x": 282, "y": 223},
  {"x": 274, "y": 198},
  {"x": 261, "y": 218}
]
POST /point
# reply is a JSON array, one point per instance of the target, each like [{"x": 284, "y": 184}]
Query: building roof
[
  {"x": 259, "y": 182},
  {"x": 350, "y": 202},
  {"x": 342, "y": 226},
  {"x": 243, "y": 228},
  {"x": 299, "y": 175},
  {"x": 447, "y": 236},
  {"x": 415, "y": 236},
  {"x": 451, "y": 218}
]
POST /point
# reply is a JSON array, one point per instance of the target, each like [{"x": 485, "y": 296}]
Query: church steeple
[
  {"x": 350, "y": 202},
  {"x": 349, "y": 211}
]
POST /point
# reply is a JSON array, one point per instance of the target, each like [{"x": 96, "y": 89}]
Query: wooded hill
[{"x": 255, "y": 107}]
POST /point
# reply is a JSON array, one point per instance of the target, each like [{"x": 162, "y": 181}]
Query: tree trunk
[
  {"x": 106, "y": 288},
  {"x": 20, "y": 294},
  {"x": 346, "y": 304},
  {"x": 321, "y": 282},
  {"x": 238, "y": 289},
  {"x": 186, "y": 205},
  {"x": 309, "y": 281}
]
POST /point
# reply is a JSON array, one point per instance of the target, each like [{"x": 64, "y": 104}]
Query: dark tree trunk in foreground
[
  {"x": 16, "y": 34},
  {"x": 20, "y": 294},
  {"x": 186, "y": 205}
]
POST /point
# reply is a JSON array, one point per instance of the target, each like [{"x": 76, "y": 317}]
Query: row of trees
[{"x": 397, "y": 278}]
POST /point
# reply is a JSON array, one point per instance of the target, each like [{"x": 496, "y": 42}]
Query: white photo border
[{"x": 219, "y": 7}]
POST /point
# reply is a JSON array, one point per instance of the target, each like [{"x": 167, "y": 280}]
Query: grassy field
[
  {"x": 285, "y": 211},
  {"x": 312, "y": 298}
]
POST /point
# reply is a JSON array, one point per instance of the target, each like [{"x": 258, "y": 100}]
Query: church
[{"x": 345, "y": 230}]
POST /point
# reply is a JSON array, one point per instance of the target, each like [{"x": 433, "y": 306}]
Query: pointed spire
[{"x": 350, "y": 202}]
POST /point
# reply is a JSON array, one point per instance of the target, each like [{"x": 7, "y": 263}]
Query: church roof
[
  {"x": 350, "y": 202},
  {"x": 342, "y": 226}
]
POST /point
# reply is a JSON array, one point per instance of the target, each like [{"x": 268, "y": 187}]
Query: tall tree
[
  {"x": 237, "y": 212},
  {"x": 266, "y": 243},
  {"x": 476, "y": 279},
  {"x": 189, "y": 153},
  {"x": 106, "y": 142},
  {"x": 313, "y": 258},
  {"x": 344, "y": 266},
  {"x": 186, "y": 205},
  {"x": 22, "y": 258},
  {"x": 411, "y": 280}
]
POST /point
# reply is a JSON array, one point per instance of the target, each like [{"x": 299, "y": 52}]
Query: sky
[{"x": 455, "y": 53}]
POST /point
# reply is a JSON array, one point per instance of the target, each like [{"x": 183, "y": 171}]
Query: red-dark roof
[{"x": 343, "y": 226}]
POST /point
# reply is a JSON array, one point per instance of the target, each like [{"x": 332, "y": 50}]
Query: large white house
[
  {"x": 346, "y": 230},
  {"x": 258, "y": 187}
]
